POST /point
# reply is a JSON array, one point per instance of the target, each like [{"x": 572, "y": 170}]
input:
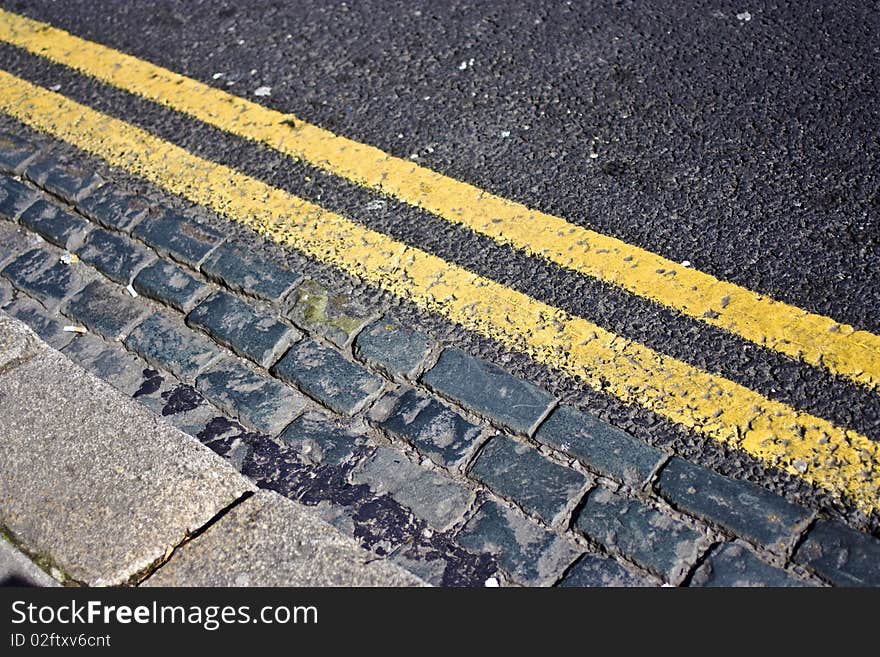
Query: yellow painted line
[
  {"x": 812, "y": 338},
  {"x": 839, "y": 460}
]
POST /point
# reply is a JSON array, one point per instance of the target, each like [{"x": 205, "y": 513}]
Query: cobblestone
[
  {"x": 170, "y": 345},
  {"x": 524, "y": 475},
  {"x": 15, "y": 196},
  {"x": 321, "y": 440},
  {"x": 49, "y": 327},
  {"x": 334, "y": 317},
  {"x": 488, "y": 390},
  {"x": 105, "y": 309},
  {"x": 113, "y": 208},
  {"x": 432, "y": 496},
  {"x": 324, "y": 374},
  {"x": 42, "y": 275},
  {"x": 440, "y": 433},
  {"x": 14, "y": 241},
  {"x": 180, "y": 238},
  {"x": 249, "y": 273},
  {"x": 396, "y": 350},
  {"x": 742, "y": 507},
  {"x": 606, "y": 449},
  {"x": 650, "y": 538},
  {"x": 530, "y": 554},
  {"x": 843, "y": 556},
  {"x": 61, "y": 177},
  {"x": 595, "y": 570},
  {"x": 239, "y": 326},
  {"x": 55, "y": 225},
  {"x": 729, "y": 564},
  {"x": 169, "y": 284},
  {"x": 14, "y": 153},
  {"x": 114, "y": 255},
  {"x": 259, "y": 401}
]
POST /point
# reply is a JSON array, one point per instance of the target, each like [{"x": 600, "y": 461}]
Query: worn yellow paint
[
  {"x": 839, "y": 460},
  {"x": 812, "y": 338}
]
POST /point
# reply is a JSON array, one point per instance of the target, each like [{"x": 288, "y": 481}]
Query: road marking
[
  {"x": 815, "y": 339},
  {"x": 839, "y": 460}
]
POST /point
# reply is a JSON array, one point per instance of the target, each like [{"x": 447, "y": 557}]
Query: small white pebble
[
  {"x": 505, "y": 133},
  {"x": 241, "y": 42},
  {"x": 253, "y": 71},
  {"x": 744, "y": 16},
  {"x": 462, "y": 66},
  {"x": 685, "y": 263},
  {"x": 492, "y": 583},
  {"x": 55, "y": 87},
  {"x": 217, "y": 76},
  {"x": 262, "y": 91}
]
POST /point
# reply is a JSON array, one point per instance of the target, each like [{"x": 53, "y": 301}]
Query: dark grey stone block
[
  {"x": 15, "y": 196},
  {"x": 14, "y": 241},
  {"x": 258, "y": 401},
  {"x": 110, "y": 362},
  {"x": 15, "y": 152},
  {"x": 598, "y": 571},
  {"x": 393, "y": 348},
  {"x": 335, "y": 317},
  {"x": 48, "y": 326},
  {"x": 432, "y": 496},
  {"x": 115, "y": 255},
  {"x": 647, "y": 536},
  {"x": 40, "y": 274},
  {"x": 729, "y": 565},
  {"x": 843, "y": 556},
  {"x": 55, "y": 225},
  {"x": 113, "y": 208},
  {"x": 324, "y": 374},
  {"x": 321, "y": 440},
  {"x": 239, "y": 326},
  {"x": 602, "y": 447},
  {"x": 524, "y": 475},
  {"x": 488, "y": 390},
  {"x": 742, "y": 507},
  {"x": 182, "y": 239},
  {"x": 170, "y": 345},
  {"x": 435, "y": 430},
  {"x": 58, "y": 175},
  {"x": 169, "y": 284},
  {"x": 249, "y": 272},
  {"x": 105, "y": 309},
  {"x": 529, "y": 553}
]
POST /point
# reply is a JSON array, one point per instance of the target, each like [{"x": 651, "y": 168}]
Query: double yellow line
[{"x": 839, "y": 460}]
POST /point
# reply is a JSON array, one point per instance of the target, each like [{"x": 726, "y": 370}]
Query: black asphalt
[{"x": 743, "y": 138}]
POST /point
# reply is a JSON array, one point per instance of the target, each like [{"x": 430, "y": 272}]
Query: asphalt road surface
[{"x": 738, "y": 139}]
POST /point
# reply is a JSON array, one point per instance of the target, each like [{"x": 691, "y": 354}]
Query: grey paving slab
[
  {"x": 432, "y": 496},
  {"x": 744, "y": 508},
  {"x": 488, "y": 390},
  {"x": 524, "y": 475},
  {"x": 606, "y": 449},
  {"x": 729, "y": 565},
  {"x": 18, "y": 343},
  {"x": 99, "y": 498},
  {"x": 269, "y": 540},
  {"x": 16, "y": 569}
]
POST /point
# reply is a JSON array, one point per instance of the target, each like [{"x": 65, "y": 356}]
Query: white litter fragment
[
  {"x": 505, "y": 134},
  {"x": 462, "y": 66},
  {"x": 744, "y": 16},
  {"x": 55, "y": 87},
  {"x": 685, "y": 263},
  {"x": 427, "y": 533},
  {"x": 75, "y": 329},
  {"x": 253, "y": 71},
  {"x": 492, "y": 583},
  {"x": 378, "y": 204},
  {"x": 69, "y": 258},
  {"x": 217, "y": 76},
  {"x": 131, "y": 291},
  {"x": 241, "y": 42},
  {"x": 262, "y": 91},
  {"x": 465, "y": 64}
]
